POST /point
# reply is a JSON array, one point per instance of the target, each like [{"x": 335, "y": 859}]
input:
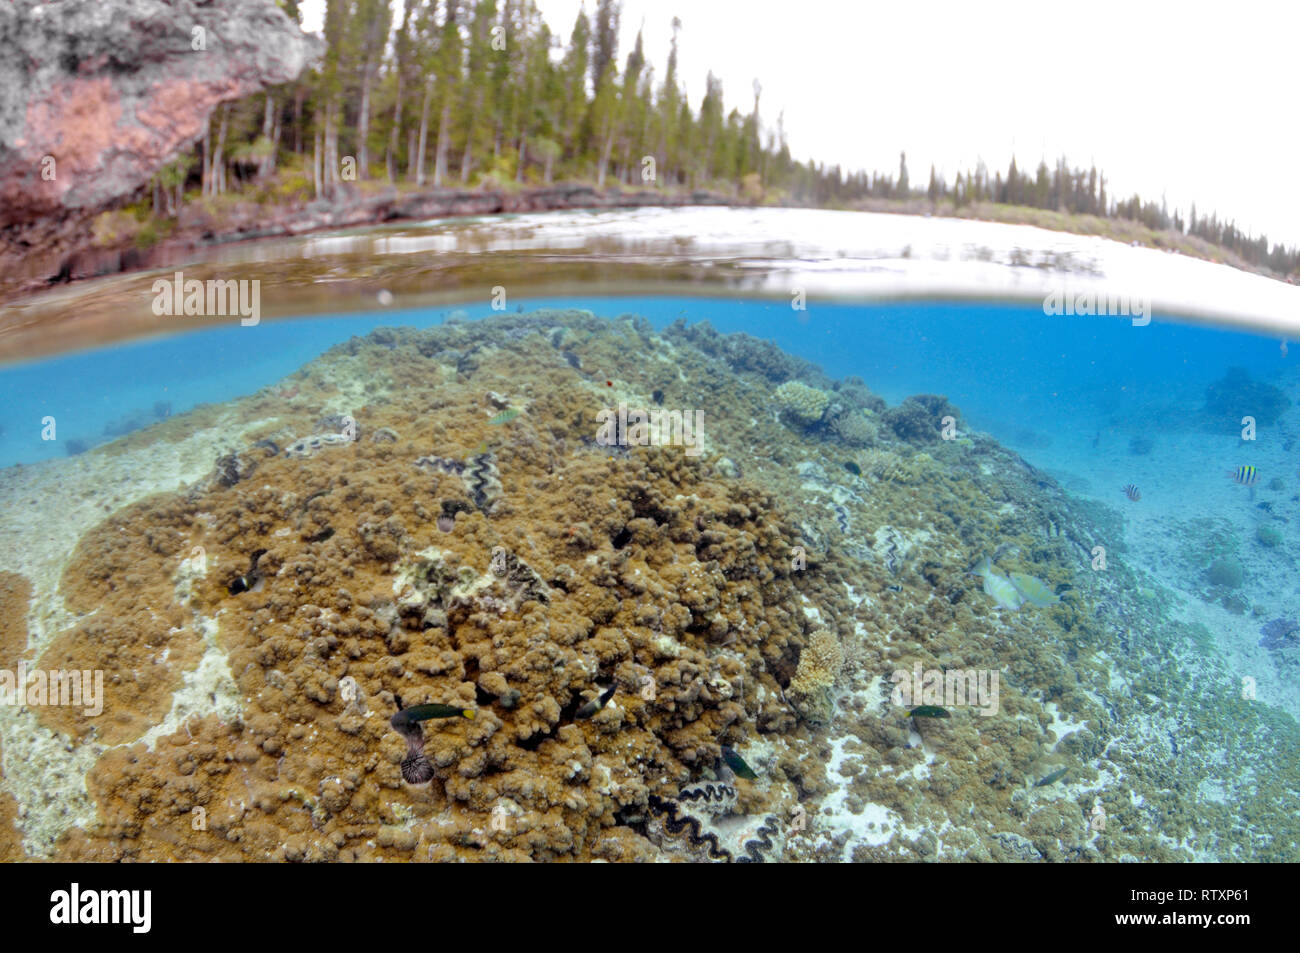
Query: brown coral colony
[{"x": 565, "y": 569}]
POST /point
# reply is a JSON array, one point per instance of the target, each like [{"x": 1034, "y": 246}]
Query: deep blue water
[{"x": 1025, "y": 377}]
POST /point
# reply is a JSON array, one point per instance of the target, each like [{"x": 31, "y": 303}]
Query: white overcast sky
[{"x": 1194, "y": 101}]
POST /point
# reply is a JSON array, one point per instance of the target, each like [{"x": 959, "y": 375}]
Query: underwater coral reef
[{"x": 405, "y": 605}]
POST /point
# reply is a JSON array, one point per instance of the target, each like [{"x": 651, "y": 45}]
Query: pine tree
[
  {"x": 476, "y": 79},
  {"x": 604, "y": 40},
  {"x": 448, "y": 82},
  {"x": 402, "y": 45},
  {"x": 370, "y": 22},
  {"x": 326, "y": 153},
  {"x": 671, "y": 100}
]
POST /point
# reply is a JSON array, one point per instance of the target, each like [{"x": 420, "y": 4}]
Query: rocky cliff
[{"x": 97, "y": 95}]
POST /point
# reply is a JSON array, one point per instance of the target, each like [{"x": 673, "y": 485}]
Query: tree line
[
  {"x": 482, "y": 93},
  {"x": 1081, "y": 191}
]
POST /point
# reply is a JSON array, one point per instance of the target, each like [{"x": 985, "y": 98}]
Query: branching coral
[
  {"x": 855, "y": 427},
  {"x": 802, "y": 403},
  {"x": 812, "y": 688},
  {"x": 919, "y": 419}
]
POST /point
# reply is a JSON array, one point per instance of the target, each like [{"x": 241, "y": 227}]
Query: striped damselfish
[{"x": 1246, "y": 476}]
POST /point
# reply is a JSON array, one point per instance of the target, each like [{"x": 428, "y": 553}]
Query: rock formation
[{"x": 97, "y": 95}]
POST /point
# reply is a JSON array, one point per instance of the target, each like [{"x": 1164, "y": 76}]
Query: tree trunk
[
  {"x": 330, "y": 170},
  {"x": 411, "y": 139},
  {"x": 424, "y": 135},
  {"x": 444, "y": 133},
  {"x": 207, "y": 155},
  {"x": 467, "y": 160},
  {"x": 394, "y": 133},
  {"x": 267, "y": 163},
  {"x": 521, "y": 158},
  {"x": 604, "y": 159},
  {"x": 274, "y": 157},
  {"x": 363, "y": 126},
  {"x": 316, "y": 163},
  {"x": 218, "y": 156}
]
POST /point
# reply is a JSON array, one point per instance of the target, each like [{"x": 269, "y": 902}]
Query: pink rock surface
[{"x": 112, "y": 90}]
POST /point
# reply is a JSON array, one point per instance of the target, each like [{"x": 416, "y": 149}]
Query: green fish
[
  {"x": 1052, "y": 778},
  {"x": 1000, "y": 588},
  {"x": 507, "y": 415},
  {"x": 1034, "y": 590},
  {"x": 736, "y": 763},
  {"x": 929, "y": 711},
  {"x": 853, "y": 468},
  {"x": 409, "y": 716}
]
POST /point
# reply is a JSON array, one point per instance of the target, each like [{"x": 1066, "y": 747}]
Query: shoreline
[
  {"x": 626, "y": 252},
  {"x": 1122, "y": 230},
  {"x": 198, "y": 229}
]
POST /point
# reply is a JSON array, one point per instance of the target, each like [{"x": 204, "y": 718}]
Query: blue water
[{"x": 1022, "y": 376}]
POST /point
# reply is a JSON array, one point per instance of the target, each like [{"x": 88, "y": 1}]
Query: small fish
[
  {"x": 853, "y": 468},
  {"x": 507, "y": 415},
  {"x": 408, "y": 716},
  {"x": 1246, "y": 476},
  {"x": 1052, "y": 778},
  {"x": 1034, "y": 590},
  {"x": 1132, "y": 492},
  {"x": 1266, "y": 506},
  {"x": 736, "y": 763},
  {"x": 241, "y": 584},
  {"x": 597, "y": 703},
  {"x": 929, "y": 711},
  {"x": 249, "y": 579}
]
